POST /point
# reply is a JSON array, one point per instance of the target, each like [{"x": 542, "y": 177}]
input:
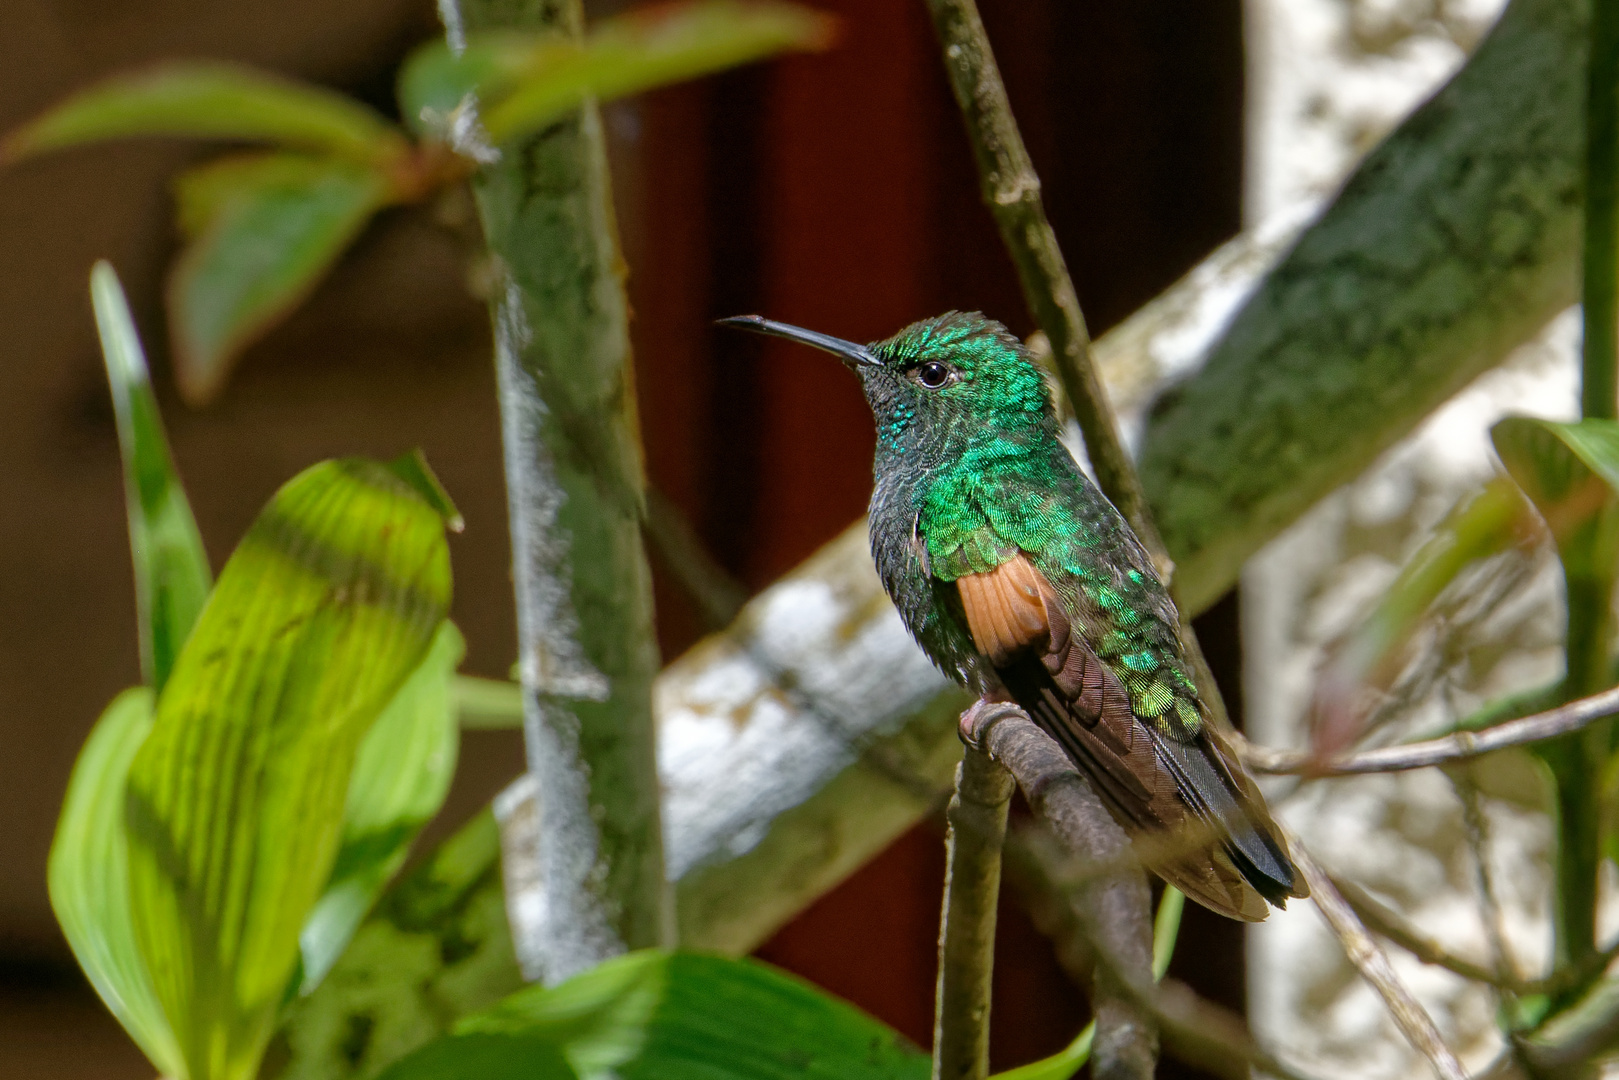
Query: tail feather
[{"x": 1256, "y": 853}]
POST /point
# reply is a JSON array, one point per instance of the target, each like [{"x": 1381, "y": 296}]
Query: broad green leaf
[
  {"x": 525, "y": 84},
  {"x": 212, "y": 100},
  {"x": 1070, "y": 1059},
  {"x": 89, "y": 884},
  {"x": 401, "y": 775},
  {"x": 654, "y": 1015},
  {"x": 266, "y": 228},
  {"x": 234, "y": 805},
  {"x": 171, "y": 568}
]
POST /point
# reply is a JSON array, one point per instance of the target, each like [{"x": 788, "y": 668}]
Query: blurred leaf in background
[
  {"x": 171, "y": 568},
  {"x": 263, "y": 229}
]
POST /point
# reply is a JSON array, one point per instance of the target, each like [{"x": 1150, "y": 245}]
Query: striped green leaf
[
  {"x": 211, "y": 100},
  {"x": 234, "y": 803},
  {"x": 266, "y": 228},
  {"x": 171, "y": 568},
  {"x": 655, "y": 1015},
  {"x": 401, "y": 775},
  {"x": 89, "y": 884}
]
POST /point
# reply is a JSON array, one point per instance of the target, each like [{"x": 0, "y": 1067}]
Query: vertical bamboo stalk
[
  {"x": 977, "y": 828},
  {"x": 575, "y": 488},
  {"x": 1577, "y": 761}
]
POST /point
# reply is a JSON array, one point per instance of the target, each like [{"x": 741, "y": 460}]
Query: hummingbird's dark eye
[{"x": 933, "y": 374}]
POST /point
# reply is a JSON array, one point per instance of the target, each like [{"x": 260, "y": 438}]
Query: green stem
[
  {"x": 1577, "y": 762},
  {"x": 575, "y": 486}
]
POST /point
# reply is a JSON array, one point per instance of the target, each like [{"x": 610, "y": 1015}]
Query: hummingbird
[{"x": 1022, "y": 582}]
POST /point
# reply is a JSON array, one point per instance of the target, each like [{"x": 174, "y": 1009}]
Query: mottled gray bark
[
  {"x": 1453, "y": 242},
  {"x": 575, "y": 487}
]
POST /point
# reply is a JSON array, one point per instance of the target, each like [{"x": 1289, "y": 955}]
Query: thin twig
[
  {"x": 1116, "y": 909},
  {"x": 1011, "y": 190},
  {"x": 1112, "y": 916},
  {"x": 972, "y": 883},
  {"x": 1457, "y": 746},
  {"x": 1478, "y": 842},
  {"x": 1368, "y": 957},
  {"x": 717, "y": 594},
  {"x": 1193, "y": 1029},
  {"x": 1386, "y": 923}
]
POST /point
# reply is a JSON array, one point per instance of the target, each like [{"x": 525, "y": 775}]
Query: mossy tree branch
[
  {"x": 1455, "y": 240},
  {"x": 576, "y": 490}
]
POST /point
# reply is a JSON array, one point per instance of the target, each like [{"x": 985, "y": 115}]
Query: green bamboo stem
[
  {"x": 1577, "y": 762},
  {"x": 575, "y": 487}
]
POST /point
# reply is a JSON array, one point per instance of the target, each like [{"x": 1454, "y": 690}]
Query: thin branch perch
[
  {"x": 1115, "y": 909},
  {"x": 1012, "y": 192},
  {"x": 1457, "y": 746},
  {"x": 977, "y": 820},
  {"x": 1368, "y": 957},
  {"x": 1065, "y": 892}
]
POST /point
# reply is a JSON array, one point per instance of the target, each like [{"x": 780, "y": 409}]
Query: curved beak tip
[{"x": 851, "y": 353}]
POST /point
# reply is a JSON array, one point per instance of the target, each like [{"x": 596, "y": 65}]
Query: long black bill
[{"x": 847, "y": 351}]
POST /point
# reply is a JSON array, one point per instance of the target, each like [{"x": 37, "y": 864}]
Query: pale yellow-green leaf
[{"x": 234, "y": 803}]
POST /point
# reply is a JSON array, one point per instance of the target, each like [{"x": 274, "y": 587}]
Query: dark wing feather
[{"x": 1221, "y": 855}]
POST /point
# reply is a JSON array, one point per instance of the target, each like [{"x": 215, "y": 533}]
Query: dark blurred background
[{"x": 836, "y": 191}]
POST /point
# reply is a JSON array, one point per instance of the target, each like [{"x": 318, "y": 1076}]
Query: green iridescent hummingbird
[{"x": 1021, "y": 581}]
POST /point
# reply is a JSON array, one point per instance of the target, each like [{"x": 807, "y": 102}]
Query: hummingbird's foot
[{"x": 984, "y": 714}]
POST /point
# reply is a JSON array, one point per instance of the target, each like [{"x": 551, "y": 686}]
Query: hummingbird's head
[{"x": 940, "y": 387}]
